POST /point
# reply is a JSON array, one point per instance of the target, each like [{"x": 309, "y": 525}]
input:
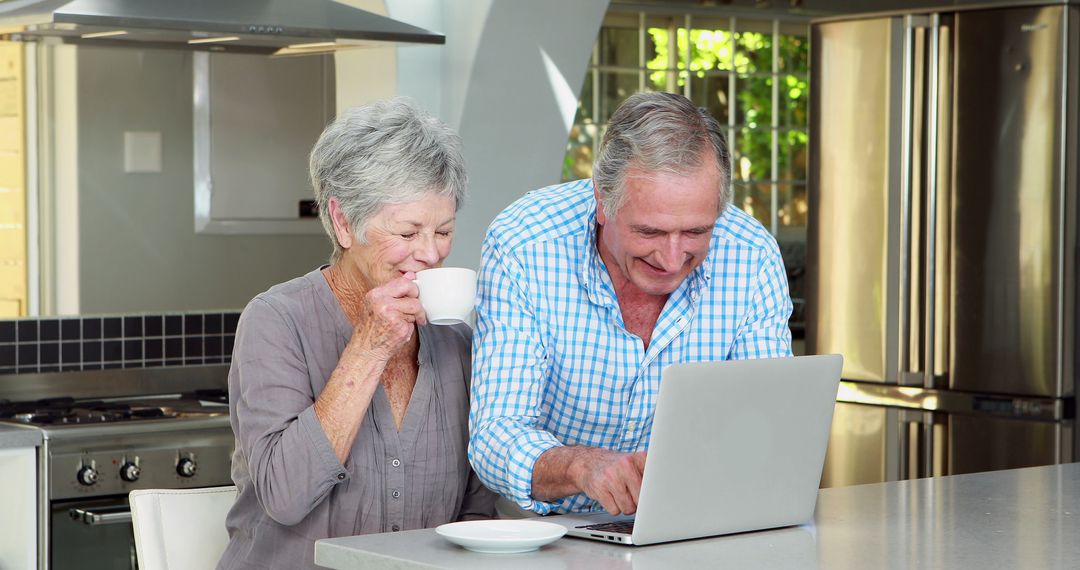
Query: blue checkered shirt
[{"x": 553, "y": 364}]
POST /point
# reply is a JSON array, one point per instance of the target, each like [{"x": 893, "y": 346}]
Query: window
[{"x": 751, "y": 74}]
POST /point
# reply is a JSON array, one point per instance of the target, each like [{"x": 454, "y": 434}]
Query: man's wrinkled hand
[{"x": 612, "y": 478}]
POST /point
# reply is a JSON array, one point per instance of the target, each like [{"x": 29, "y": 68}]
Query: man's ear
[
  {"x": 601, "y": 219},
  {"x": 343, "y": 232}
]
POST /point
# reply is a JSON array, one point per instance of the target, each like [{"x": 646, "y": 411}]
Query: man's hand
[{"x": 612, "y": 478}]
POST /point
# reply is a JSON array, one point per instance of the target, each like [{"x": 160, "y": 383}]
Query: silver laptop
[{"x": 736, "y": 446}]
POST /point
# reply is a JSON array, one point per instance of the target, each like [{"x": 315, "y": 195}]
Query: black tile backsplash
[
  {"x": 212, "y": 324},
  {"x": 50, "y": 354},
  {"x": 91, "y": 328},
  {"x": 174, "y": 325},
  {"x": 50, "y": 329},
  {"x": 112, "y": 351},
  {"x": 152, "y": 325},
  {"x": 133, "y": 326},
  {"x": 174, "y": 348},
  {"x": 28, "y": 331},
  {"x": 193, "y": 347},
  {"x": 7, "y": 331},
  {"x": 91, "y": 351},
  {"x": 70, "y": 352},
  {"x": 193, "y": 324},
  {"x": 112, "y": 327},
  {"x": 212, "y": 346},
  {"x": 27, "y": 354},
  {"x": 152, "y": 349},
  {"x": 71, "y": 329},
  {"x": 133, "y": 349},
  {"x": 7, "y": 355},
  {"x": 129, "y": 341}
]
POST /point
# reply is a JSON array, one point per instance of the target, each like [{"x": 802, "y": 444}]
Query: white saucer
[{"x": 501, "y": 536}]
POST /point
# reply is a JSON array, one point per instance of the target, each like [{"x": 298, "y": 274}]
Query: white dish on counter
[{"x": 501, "y": 536}]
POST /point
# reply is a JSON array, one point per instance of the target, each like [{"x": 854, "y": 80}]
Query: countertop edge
[
  {"x": 12, "y": 437},
  {"x": 333, "y": 555}
]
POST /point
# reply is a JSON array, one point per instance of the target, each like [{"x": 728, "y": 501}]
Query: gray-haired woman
[{"x": 350, "y": 413}]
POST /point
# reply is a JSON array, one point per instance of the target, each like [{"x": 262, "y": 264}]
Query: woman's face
[{"x": 405, "y": 237}]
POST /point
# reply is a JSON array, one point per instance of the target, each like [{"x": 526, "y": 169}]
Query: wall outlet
[{"x": 142, "y": 151}]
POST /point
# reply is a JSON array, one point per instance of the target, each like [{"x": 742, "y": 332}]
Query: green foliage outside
[{"x": 714, "y": 57}]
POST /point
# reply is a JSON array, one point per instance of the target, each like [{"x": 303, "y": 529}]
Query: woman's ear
[{"x": 342, "y": 229}]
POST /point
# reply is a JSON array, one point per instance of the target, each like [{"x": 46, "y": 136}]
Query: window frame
[{"x": 711, "y": 21}]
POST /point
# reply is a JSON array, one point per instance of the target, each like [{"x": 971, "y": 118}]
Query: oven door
[{"x": 91, "y": 533}]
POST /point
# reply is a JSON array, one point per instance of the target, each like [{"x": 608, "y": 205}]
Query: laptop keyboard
[{"x": 625, "y": 527}]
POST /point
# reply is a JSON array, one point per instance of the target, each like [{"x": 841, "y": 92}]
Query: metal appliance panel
[
  {"x": 1005, "y": 247},
  {"x": 984, "y": 443},
  {"x": 157, "y": 455},
  {"x": 850, "y": 299},
  {"x": 862, "y": 446},
  {"x": 77, "y": 545}
]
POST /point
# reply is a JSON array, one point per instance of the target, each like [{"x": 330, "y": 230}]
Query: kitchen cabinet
[{"x": 18, "y": 494}]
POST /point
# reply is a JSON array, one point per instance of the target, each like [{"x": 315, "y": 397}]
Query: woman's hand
[{"x": 388, "y": 317}]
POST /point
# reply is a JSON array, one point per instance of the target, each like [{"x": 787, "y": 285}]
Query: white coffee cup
[{"x": 447, "y": 294}]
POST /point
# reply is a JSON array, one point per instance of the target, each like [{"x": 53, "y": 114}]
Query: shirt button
[
  {"x": 341, "y": 476},
  {"x": 395, "y": 528},
  {"x": 396, "y": 494},
  {"x": 396, "y": 463},
  {"x": 631, "y": 425},
  {"x": 681, "y": 321}
]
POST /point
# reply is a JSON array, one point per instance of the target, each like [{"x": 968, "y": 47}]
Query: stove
[
  {"x": 107, "y": 433},
  {"x": 66, "y": 411}
]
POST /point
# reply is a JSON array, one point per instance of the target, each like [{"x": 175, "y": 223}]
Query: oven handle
[{"x": 101, "y": 515}]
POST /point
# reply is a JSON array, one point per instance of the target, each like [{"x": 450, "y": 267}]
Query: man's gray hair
[
  {"x": 388, "y": 152},
  {"x": 658, "y": 132}
]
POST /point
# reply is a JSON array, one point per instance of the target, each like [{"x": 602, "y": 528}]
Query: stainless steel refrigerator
[{"x": 942, "y": 244}]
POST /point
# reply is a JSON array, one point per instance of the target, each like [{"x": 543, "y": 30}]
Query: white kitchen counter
[
  {"x": 1020, "y": 518},
  {"x": 12, "y": 436}
]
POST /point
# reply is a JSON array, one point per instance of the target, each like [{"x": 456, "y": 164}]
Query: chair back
[{"x": 180, "y": 528}]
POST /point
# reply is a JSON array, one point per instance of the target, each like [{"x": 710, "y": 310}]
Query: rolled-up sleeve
[
  {"x": 289, "y": 458},
  {"x": 509, "y": 371}
]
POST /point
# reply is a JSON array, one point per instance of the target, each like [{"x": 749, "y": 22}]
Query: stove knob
[
  {"x": 186, "y": 467},
  {"x": 129, "y": 472},
  {"x": 87, "y": 475}
]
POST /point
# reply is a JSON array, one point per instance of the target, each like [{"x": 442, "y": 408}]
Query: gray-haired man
[{"x": 588, "y": 289}]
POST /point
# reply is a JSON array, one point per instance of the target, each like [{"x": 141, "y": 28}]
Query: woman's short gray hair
[
  {"x": 388, "y": 152},
  {"x": 658, "y": 132}
]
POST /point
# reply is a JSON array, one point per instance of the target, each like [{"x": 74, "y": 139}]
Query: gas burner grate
[{"x": 71, "y": 411}]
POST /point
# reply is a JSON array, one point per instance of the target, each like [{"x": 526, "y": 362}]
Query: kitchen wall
[
  {"x": 136, "y": 242},
  {"x": 507, "y": 80}
]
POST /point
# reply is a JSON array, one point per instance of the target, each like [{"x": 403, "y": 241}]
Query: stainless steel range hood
[{"x": 280, "y": 27}]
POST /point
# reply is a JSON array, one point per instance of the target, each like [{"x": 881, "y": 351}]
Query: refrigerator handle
[
  {"x": 912, "y": 121},
  {"x": 906, "y": 136},
  {"x": 930, "y": 324}
]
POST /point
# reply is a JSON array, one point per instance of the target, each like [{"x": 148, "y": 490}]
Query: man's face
[{"x": 662, "y": 231}]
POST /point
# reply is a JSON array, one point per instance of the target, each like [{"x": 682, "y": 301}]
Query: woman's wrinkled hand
[{"x": 388, "y": 317}]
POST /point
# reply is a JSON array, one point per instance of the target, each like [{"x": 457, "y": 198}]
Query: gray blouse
[{"x": 291, "y": 488}]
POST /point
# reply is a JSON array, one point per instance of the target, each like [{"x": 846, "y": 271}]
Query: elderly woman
[{"x": 350, "y": 411}]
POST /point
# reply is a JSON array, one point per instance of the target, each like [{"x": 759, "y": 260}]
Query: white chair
[{"x": 180, "y": 528}]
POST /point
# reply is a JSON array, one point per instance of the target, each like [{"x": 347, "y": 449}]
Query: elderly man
[{"x": 589, "y": 289}]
